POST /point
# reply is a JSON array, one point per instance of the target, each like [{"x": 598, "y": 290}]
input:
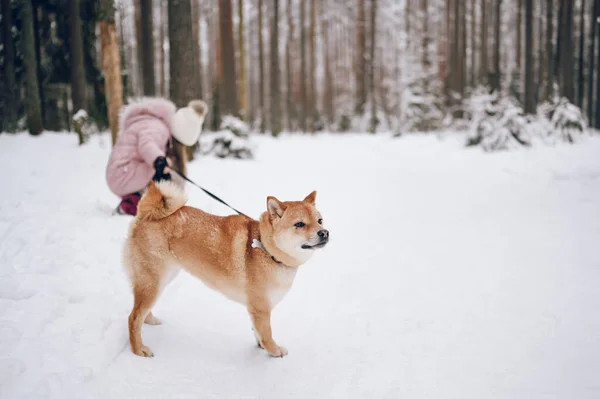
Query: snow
[{"x": 451, "y": 273}]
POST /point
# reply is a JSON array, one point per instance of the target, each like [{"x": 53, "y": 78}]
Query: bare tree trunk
[
  {"x": 32, "y": 103},
  {"x": 197, "y": 44},
  {"x": 519, "y": 34},
  {"x": 549, "y": 48},
  {"x": 147, "y": 47},
  {"x": 11, "y": 99},
  {"x": 529, "y": 83},
  {"x": 303, "y": 116},
  {"x": 328, "y": 90},
  {"x": 229, "y": 93},
  {"x": 597, "y": 125},
  {"x": 274, "y": 72},
  {"x": 241, "y": 46},
  {"x": 160, "y": 40},
  {"x": 463, "y": 49},
  {"x": 111, "y": 65},
  {"x": 361, "y": 54},
  {"x": 291, "y": 113},
  {"x": 473, "y": 77},
  {"x": 581, "y": 56},
  {"x": 261, "y": 68},
  {"x": 566, "y": 56},
  {"x": 181, "y": 53},
  {"x": 77, "y": 65},
  {"x": 497, "y": 75},
  {"x": 592, "y": 59},
  {"x": 374, "y": 122},
  {"x": 313, "y": 67},
  {"x": 484, "y": 44}
]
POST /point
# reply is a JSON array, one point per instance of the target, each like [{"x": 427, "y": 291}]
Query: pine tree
[
  {"x": 230, "y": 97},
  {"x": 274, "y": 71},
  {"x": 32, "y": 103},
  {"x": 10, "y": 87},
  {"x": 303, "y": 111},
  {"x": 147, "y": 47},
  {"x": 529, "y": 82},
  {"x": 581, "y": 56},
  {"x": 592, "y": 60},
  {"x": 374, "y": 121},
  {"x": 261, "y": 68},
  {"x": 361, "y": 54},
  {"x": 241, "y": 46},
  {"x": 483, "y": 65},
  {"x": 182, "y": 81},
  {"x": 111, "y": 65},
  {"x": 78, "y": 87}
]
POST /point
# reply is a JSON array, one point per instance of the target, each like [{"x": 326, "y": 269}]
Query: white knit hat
[{"x": 187, "y": 122}]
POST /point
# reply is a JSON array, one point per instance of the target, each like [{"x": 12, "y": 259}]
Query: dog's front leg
[{"x": 261, "y": 320}]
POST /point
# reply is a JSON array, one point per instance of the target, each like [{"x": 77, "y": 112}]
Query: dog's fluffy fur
[{"x": 166, "y": 236}]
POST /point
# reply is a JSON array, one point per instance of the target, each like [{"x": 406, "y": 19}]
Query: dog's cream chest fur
[{"x": 284, "y": 278}]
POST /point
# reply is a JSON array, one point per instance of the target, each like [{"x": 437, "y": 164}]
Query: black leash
[{"x": 208, "y": 192}]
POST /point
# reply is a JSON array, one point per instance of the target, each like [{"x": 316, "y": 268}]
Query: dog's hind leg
[{"x": 145, "y": 295}]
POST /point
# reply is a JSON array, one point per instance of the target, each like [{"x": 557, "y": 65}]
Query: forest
[{"x": 305, "y": 65}]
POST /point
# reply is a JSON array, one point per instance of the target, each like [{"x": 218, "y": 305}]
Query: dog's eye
[
  {"x": 300, "y": 224},
  {"x": 320, "y": 221}
]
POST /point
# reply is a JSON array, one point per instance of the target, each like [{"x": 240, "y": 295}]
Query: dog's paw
[
  {"x": 279, "y": 352},
  {"x": 144, "y": 351},
  {"x": 152, "y": 320}
]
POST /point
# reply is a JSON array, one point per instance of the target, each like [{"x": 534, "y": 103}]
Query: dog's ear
[
  {"x": 311, "y": 198},
  {"x": 275, "y": 207}
]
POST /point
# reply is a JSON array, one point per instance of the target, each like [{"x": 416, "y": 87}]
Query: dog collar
[{"x": 256, "y": 243}]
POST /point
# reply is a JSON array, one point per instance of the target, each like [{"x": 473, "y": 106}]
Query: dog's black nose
[{"x": 323, "y": 234}]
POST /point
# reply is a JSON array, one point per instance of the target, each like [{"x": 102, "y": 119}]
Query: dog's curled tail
[{"x": 160, "y": 200}]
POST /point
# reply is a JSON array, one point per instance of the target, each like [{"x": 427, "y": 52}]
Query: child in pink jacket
[{"x": 152, "y": 136}]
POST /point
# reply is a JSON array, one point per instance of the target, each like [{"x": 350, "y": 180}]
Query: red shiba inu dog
[{"x": 251, "y": 262}]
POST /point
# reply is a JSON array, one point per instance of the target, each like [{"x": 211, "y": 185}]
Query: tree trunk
[
  {"x": 183, "y": 76},
  {"x": 425, "y": 37},
  {"x": 241, "y": 46},
  {"x": 303, "y": 66},
  {"x": 32, "y": 103},
  {"x": 313, "y": 67},
  {"x": 519, "y": 28},
  {"x": 549, "y": 48},
  {"x": 361, "y": 54},
  {"x": 473, "y": 77},
  {"x": 274, "y": 72},
  {"x": 484, "y": 44},
  {"x": 11, "y": 99},
  {"x": 111, "y": 65},
  {"x": 374, "y": 122},
  {"x": 289, "y": 57},
  {"x": 581, "y": 55},
  {"x": 261, "y": 68},
  {"x": 567, "y": 75},
  {"x": 498, "y": 17},
  {"x": 597, "y": 125},
  {"x": 529, "y": 83},
  {"x": 463, "y": 49},
  {"x": 328, "y": 90},
  {"x": 592, "y": 60},
  {"x": 229, "y": 92},
  {"x": 76, "y": 61},
  {"x": 147, "y": 47}
]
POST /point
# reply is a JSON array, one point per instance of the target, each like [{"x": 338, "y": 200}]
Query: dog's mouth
[{"x": 316, "y": 246}]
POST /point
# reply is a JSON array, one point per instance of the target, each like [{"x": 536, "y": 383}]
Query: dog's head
[{"x": 297, "y": 226}]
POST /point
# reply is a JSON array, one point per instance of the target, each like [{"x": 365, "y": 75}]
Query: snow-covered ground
[{"x": 451, "y": 274}]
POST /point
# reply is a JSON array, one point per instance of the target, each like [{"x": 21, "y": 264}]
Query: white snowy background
[{"x": 451, "y": 273}]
